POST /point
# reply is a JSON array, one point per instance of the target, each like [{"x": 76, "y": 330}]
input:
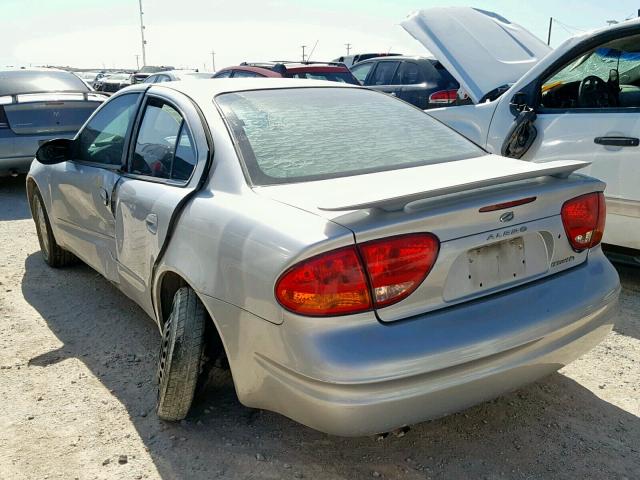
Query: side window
[
  {"x": 102, "y": 140},
  {"x": 605, "y": 77},
  {"x": 164, "y": 147},
  {"x": 185, "y": 157},
  {"x": 245, "y": 74},
  {"x": 163, "y": 78},
  {"x": 383, "y": 74},
  {"x": 225, "y": 74},
  {"x": 151, "y": 79},
  {"x": 408, "y": 74},
  {"x": 361, "y": 71}
]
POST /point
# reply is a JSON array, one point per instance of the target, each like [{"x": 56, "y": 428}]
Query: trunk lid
[
  {"x": 481, "y": 49},
  {"x": 48, "y": 113},
  {"x": 481, "y": 253}
]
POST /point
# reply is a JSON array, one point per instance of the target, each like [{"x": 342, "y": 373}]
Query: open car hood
[{"x": 481, "y": 49}]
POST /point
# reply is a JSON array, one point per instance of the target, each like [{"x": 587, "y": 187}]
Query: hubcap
[{"x": 164, "y": 352}]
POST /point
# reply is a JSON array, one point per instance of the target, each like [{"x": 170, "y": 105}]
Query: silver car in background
[
  {"x": 37, "y": 105},
  {"x": 176, "y": 75},
  {"x": 358, "y": 265}
]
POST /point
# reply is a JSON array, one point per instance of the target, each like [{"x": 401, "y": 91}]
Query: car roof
[{"x": 395, "y": 58}]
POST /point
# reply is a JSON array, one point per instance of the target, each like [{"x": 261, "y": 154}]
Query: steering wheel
[{"x": 593, "y": 92}]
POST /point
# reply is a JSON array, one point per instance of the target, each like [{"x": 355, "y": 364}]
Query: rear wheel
[
  {"x": 180, "y": 358},
  {"x": 53, "y": 254}
]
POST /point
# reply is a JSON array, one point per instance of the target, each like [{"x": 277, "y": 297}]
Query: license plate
[{"x": 497, "y": 264}]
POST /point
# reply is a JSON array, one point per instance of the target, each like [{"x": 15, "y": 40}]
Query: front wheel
[
  {"x": 53, "y": 254},
  {"x": 180, "y": 358}
]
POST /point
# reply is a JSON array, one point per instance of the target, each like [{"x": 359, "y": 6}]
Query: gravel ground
[{"x": 77, "y": 392}]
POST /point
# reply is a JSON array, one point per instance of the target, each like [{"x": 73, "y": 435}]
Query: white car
[{"x": 578, "y": 101}]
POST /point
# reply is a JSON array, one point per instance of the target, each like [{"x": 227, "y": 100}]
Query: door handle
[
  {"x": 617, "y": 141},
  {"x": 151, "y": 221}
]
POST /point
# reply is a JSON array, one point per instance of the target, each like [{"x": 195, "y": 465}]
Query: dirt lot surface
[{"x": 77, "y": 366}]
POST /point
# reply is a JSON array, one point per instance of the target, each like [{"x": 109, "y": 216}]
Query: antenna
[{"x": 312, "y": 50}]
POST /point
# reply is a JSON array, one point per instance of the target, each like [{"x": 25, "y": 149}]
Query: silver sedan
[{"x": 356, "y": 264}]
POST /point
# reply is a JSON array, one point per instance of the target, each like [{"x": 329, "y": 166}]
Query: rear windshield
[
  {"x": 24, "y": 81},
  {"x": 344, "y": 77},
  {"x": 303, "y": 134}
]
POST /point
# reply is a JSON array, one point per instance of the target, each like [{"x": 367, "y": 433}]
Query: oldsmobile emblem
[{"x": 506, "y": 217}]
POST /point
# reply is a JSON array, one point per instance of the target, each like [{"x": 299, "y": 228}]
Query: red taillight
[
  {"x": 332, "y": 283},
  {"x": 397, "y": 266},
  {"x": 337, "y": 282},
  {"x": 443, "y": 97},
  {"x": 583, "y": 218}
]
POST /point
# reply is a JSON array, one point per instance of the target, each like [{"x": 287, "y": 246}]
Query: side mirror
[
  {"x": 54, "y": 151},
  {"x": 518, "y": 102}
]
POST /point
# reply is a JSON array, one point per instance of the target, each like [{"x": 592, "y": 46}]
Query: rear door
[
  {"x": 167, "y": 156},
  {"x": 84, "y": 186},
  {"x": 382, "y": 77}
]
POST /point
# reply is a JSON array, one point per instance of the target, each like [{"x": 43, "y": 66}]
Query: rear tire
[
  {"x": 180, "y": 358},
  {"x": 53, "y": 254}
]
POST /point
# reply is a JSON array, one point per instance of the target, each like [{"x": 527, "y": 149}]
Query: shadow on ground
[
  {"x": 628, "y": 322},
  {"x": 553, "y": 429},
  {"x": 13, "y": 205}
]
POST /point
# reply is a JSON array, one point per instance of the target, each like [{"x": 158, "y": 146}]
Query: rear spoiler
[{"x": 443, "y": 179}]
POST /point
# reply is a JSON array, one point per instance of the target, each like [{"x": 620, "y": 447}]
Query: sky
[{"x": 182, "y": 33}]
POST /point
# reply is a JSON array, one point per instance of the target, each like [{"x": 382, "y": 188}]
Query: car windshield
[
  {"x": 25, "y": 81},
  {"x": 344, "y": 77},
  {"x": 304, "y": 134}
]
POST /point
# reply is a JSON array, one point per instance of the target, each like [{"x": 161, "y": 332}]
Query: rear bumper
[
  {"x": 13, "y": 165},
  {"x": 356, "y": 377}
]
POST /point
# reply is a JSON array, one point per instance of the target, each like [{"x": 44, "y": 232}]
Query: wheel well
[
  {"x": 31, "y": 188},
  {"x": 170, "y": 283}
]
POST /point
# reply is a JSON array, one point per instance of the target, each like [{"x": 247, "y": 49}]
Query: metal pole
[
  {"x": 549, "y": 35},
  {"x": 137, "y": 61},
  {"x": 303, "y": 57},
  {"x": 213, "y": 60},
  {"x": 348, "y": 45},
  {"x": 144, "y": 42}
]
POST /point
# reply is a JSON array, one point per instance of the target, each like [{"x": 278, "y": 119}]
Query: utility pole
[
  {"x": 213, "y": 60},
  {"x": 348, "y": 45},
  {"x": 144, "y": 42},
  {"x": 549, "y": 35},
  {"x": 303, "y": 56},
  {"x": 137, "y": 61}
]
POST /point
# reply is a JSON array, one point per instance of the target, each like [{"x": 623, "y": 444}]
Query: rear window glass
[
  {"x": 303, "y": 134},
  {"x": 24, "y": 81},
  {"x": 344, "y": 77}
]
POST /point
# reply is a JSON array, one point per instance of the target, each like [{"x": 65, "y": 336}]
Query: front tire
[
  {"x": 53, "y": 254},
  {"x": 180, "y": 358}
]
